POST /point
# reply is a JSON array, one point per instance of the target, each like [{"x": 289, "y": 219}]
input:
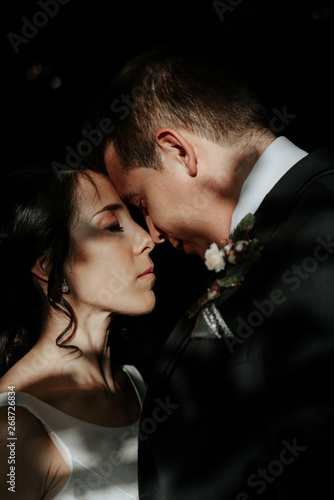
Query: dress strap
[{"x": 137, "y": 381}]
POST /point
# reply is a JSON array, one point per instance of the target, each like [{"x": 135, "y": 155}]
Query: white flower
[
  {"x": 240, "y": 245},
  {"x": 232, "y": 258},
  {"x": 230, "y": 254},
  {"x": 214, "y": 260}
]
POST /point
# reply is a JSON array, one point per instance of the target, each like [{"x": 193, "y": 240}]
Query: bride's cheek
[{"x": 105, "y": 296}]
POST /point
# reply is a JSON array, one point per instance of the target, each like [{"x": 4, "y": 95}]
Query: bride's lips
[{"x": 148, "y": 273}]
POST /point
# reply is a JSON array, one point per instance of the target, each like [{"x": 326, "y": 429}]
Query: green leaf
[
  {"x": 234, "y": 275},
  {"x": 243, "y": 228},
  {"x": 227, "y": 282}
]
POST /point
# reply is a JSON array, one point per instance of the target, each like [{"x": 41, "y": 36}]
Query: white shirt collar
[{"x": 276, "y": 160}]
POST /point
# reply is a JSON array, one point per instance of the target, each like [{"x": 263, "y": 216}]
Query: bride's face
[{"x": 110, "y": 268}]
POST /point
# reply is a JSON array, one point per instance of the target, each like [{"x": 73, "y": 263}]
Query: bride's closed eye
[{"x": 115, "y": 227}]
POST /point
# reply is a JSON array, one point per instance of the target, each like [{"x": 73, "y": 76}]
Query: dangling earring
[{"x": 64, "y": 287}]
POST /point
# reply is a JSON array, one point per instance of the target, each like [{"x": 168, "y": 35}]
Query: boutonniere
[{"x": 235, "y": 258}]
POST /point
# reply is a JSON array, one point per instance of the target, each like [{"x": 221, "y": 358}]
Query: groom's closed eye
[{"x": 134, "y": 199}]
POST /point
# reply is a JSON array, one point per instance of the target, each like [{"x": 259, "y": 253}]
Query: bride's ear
[
  {"x": 41, "y": 268},
  {"x": 171, "y": 142}
]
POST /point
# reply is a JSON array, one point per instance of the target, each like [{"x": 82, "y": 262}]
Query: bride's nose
[{"x": 144, "y": 242}]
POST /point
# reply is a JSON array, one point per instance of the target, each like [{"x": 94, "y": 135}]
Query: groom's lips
[{"x": 148, "y": 273}]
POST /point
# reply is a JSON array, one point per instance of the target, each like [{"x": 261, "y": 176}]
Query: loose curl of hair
[{"x": 37, "y": 208}]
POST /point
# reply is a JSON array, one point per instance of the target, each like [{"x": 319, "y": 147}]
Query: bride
[{"x": 70, "y": 257}]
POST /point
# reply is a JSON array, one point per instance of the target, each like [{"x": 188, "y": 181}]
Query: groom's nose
[{"x": 157, "y": 235}]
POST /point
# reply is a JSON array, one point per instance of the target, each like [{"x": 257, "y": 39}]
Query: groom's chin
[
  {"x": 193, "y": 251},
  {"x": 195, "y": 247}
]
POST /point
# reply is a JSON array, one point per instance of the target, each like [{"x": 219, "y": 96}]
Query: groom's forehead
[
  {"x": 129, "y": 184},
  {"x": 111, "y": 159},
  {"x": 114, "y": 169},
  {"x": 121, "y": 180}
]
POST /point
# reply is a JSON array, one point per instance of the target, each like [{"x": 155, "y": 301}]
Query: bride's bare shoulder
[
  {"x": 46, "y": 474},
  {"x": 20, "y": 376},
  {"x": 40, "y": 477},
  {"x": 9, "y": 380}
]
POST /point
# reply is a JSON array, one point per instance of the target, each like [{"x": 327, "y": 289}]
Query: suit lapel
[{"x": 276, "y": 206}]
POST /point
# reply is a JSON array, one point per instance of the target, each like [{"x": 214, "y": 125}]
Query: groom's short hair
[{"x": 158, "y": 89}]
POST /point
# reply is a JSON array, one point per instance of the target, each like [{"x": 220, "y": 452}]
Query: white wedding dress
[{"x": 102, "y": 460}]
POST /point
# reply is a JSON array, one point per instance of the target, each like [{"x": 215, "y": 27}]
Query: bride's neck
[{"x": 89, "y": 365}]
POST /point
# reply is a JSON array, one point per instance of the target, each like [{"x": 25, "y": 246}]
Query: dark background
[{"x": 285, "y": 49}]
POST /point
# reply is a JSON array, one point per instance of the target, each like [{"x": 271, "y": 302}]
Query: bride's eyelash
[{"x": 115, "y": 228}]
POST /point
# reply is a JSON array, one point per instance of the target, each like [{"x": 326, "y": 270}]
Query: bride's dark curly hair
[{"x": 36, "y": 211}]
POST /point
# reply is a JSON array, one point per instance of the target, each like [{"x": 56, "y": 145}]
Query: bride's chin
[
  {"x": 151, "y": 303},
  {"x": 144, "y": 306}
]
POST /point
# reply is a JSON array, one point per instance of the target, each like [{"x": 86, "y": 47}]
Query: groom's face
[{"x": 172, "y": 206}]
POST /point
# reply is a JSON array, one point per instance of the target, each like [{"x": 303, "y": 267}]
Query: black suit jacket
[{"x": 252, "y": 415}]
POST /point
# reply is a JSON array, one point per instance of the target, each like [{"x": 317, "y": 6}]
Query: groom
[{"x": 241, "y": 403}]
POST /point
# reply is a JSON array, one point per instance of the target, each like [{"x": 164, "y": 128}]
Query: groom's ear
[{"x": 173, "y": 143}]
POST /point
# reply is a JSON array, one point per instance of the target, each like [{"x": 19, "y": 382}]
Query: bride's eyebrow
[{"x": 114, "y": 207}]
